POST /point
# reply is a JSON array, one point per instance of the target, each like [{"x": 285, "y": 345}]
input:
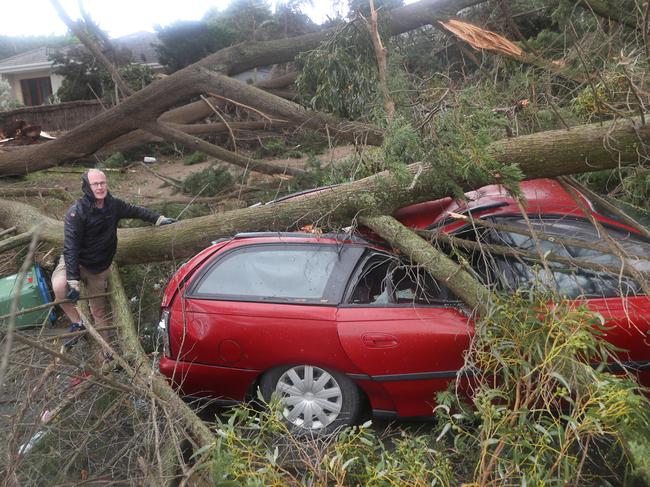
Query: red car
[{"x": 334, "y": 324}]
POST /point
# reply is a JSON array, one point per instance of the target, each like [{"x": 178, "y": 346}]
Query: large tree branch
[
  {"x": 610, "y": 10},
  {"x": 130, "y": 343},
  {"x": 265, "y": 102},
  {"x": 432, "y": 260},
  {"x": 192, "y": 143},
  {"x": 248, "y": 55},
  {"x": 93, "y": 48},
  {"x": 546, "y": 154}
]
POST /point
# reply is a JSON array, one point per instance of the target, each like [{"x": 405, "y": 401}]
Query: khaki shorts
[{"x": 93, "y": 284}]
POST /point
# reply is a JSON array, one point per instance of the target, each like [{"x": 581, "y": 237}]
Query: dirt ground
[{"x": 139, "y": 183}]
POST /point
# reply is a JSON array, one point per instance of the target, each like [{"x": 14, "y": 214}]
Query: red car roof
[{"x": 543, "y": 196}]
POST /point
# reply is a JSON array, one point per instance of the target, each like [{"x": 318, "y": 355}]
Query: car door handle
[{"x": 379, "y": 340}]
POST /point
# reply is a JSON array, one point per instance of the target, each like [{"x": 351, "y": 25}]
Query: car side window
[
  {"x": 569, "y": 278},
  {"x": 294, "y": 273},
  {"x": 371, "y": 285},
  {"x": 385, "y": 280}
]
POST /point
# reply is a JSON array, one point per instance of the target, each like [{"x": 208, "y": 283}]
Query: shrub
[
  {"x": 209, "y": 182},
  {"x": 259, "y": 450},
  {"x": 272, "y": 147},
  {"x": 115, "y": 161},
  {"x": 543, "y": 405},
  {"x": 7, "y": 102},
  {"x": 195, "y": 158},
  {"x": 311, "y": 143}
]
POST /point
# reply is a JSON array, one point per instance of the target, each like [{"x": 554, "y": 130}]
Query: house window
[{"x": 36, "y": 90}]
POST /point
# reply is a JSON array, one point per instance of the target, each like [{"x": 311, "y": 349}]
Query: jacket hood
[{"x": 85, "y": 187}]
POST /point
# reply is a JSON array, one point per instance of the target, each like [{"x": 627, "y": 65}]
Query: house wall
[
  {"x": 57, "y": 81},
  {"x": 14, "y": 81}
]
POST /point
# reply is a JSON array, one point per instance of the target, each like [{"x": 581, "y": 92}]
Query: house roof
[
  {"x": 27, "y": 61},
  {"x": 140, "y": 44}
]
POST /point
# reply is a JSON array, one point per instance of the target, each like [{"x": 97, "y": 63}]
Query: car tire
[{"x": 312, "y": 399}]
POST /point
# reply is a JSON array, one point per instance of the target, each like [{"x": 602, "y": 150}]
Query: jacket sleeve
[
  {"x": 73, "y": 234},
  {"x": 127, "y": 210}
]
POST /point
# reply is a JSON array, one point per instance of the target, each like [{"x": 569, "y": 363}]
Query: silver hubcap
[{"x": 311, "y": 397}]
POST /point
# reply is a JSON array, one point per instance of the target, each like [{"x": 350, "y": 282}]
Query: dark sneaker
[{"x": 70, "y": 342}]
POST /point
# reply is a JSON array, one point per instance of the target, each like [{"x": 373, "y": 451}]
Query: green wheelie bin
[{"x": 33, "y": 292}]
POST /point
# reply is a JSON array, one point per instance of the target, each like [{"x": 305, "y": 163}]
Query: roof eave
[{"x": 25, "y": 68}]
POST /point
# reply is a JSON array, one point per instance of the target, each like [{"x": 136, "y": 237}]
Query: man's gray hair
[{"x": 93, "y": 170}]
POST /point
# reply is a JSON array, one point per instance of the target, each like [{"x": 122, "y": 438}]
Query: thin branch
[
  {"x": 635, "y": 92},
  {"x": 217, "y": 128},
  {"x": 517, "y": 253},
  {"x": 176, "y": 184},
  {"x": 611, "y": 243},
  {"x": 617, "y": 211},
  {"x": 50, "y": 305},
  {"x": 232, "y": 135},
  {"x": 248, "y": 107},
  {"x": 16, "y": 241},
  {"x": 69, "y": 360},
  {"x": 7, "y": 231}
]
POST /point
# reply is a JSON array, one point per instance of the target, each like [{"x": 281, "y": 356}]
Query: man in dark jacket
[{"x": 90, "y": 242}]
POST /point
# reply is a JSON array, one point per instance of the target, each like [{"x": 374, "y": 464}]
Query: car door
[
  {"x": 403, "y": 331},
  {"x": 256, "y": 306}
]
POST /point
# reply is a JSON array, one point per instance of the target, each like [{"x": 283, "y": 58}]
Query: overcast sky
[{"x": 118, "y": 17}]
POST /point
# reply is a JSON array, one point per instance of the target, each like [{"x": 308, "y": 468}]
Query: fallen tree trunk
[
  {"x": 184, "y": 115},
  {"x": 11, "y": 192},
  {"x": 546, "y": 154},
  {"x": 148, "y": 104}
]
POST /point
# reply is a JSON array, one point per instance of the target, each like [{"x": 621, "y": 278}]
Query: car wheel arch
[{"x": 362, "y": 400}]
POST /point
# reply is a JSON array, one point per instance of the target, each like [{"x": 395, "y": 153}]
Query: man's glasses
[{"x": 98, "y": 185}]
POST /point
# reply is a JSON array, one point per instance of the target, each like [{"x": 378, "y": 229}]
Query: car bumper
[{"x": 194, "y": 379}]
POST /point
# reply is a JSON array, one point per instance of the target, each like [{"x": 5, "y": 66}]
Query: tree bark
[
  {"x": 560, "y": 152},
  {"x": 607, "y": 10},
  {"x": 546, "y": 154}
]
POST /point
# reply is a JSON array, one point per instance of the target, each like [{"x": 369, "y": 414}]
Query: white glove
[
  {"x": 163, "y": 220},
  {"x": 74, "y": 285}
]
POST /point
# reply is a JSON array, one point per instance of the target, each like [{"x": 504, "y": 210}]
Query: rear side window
[
  {"x": 282, "y": 273},
  {"x": 384, "y": 280}
]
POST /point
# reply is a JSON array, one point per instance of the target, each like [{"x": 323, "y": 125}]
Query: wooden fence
[{"x": 61, "y": 116}]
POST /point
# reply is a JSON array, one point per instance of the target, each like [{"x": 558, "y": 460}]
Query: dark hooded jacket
[{"x": 90, "y": 233}]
